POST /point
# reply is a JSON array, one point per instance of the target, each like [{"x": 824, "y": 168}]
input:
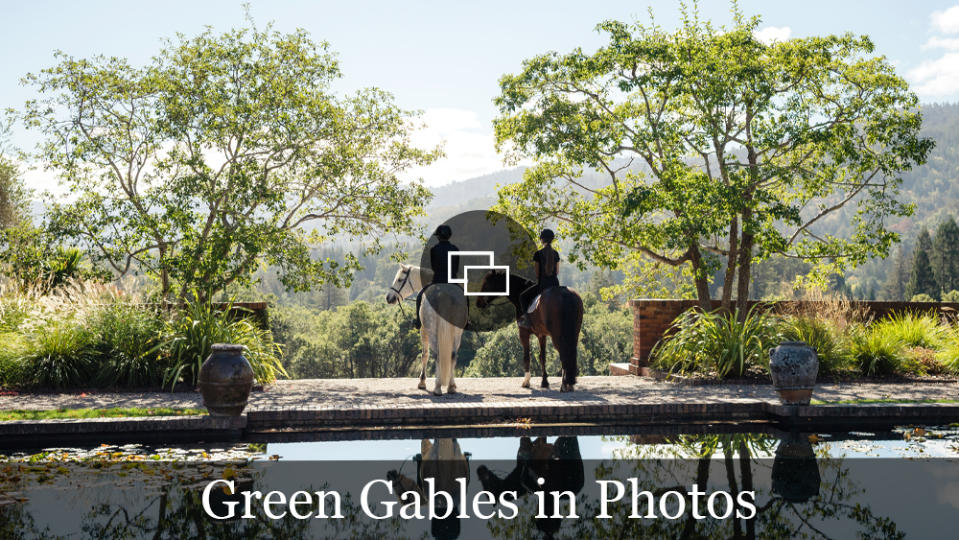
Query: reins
[{"x": 399, "y": 292}]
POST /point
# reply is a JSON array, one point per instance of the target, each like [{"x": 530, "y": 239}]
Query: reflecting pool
[{"x": 564, "y": 483}]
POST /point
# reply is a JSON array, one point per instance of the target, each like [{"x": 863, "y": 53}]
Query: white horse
[{"x": 437, "y": 333}]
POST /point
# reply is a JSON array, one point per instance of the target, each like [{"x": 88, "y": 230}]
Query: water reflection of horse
[
  {"x": 443, "y": 314},
  {"x": 443, "y": 462},
  {"x": 559, "y": 464},
  {"x": 557, "y": 313}
]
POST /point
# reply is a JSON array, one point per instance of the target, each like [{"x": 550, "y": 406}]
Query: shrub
[
  {"x": 877, "y": 352},
  {"x": 12, "y": 346},
  {"x": 127, "y": 336},
  {"x": 922, "y": 297},
  {"x": 912, "y": 329},
  {"x": 189, "y": 337},
  {"x": 948, "y": 355},
  {"x": 717, "y": 342},
  {"x": 951, "y": 296},
  {"x": 831, "y": 344},
  {"x": 60, "y": 354}
]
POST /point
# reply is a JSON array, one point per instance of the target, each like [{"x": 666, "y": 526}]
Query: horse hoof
[
  {"x": 525, "y": 384},
  {"x": 438, "y": 392},
  {"x": 451, "y": 390},
  {"x": 566, "y": 388},
  {"x": 421, "y": 386},
  {"x": 544, "y": 384}
]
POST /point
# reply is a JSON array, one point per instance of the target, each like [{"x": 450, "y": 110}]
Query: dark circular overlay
[{"x": 493, "y": 235}]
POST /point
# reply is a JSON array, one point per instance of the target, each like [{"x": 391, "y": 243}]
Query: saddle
[{"x": 535, "y": 303}]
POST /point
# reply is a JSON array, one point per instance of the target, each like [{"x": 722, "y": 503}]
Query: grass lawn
[
  {"x": 869, "y": 401},
  {"x": 21, "y": 414}
]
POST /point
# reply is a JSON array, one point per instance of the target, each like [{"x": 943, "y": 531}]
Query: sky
[{"x": 444, "y": 58}]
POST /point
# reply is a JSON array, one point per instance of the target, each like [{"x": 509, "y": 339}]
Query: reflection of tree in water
[
  {"x": 798, "y": 506},
  {"x": 16, "y": 522},
  {"x": 559, "y": 464},
  {"x": 168, "y": 505}
]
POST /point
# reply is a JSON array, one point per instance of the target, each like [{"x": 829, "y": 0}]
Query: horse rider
[
  {"x": 546, "y": 264},
  {"x": 439, "y": 260}
]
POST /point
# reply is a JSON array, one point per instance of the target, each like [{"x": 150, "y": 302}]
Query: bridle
[
  {"x": 406, "y": 281},
  {"x": 399, "y": 291}
]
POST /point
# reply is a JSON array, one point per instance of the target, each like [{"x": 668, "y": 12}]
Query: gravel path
[{"x": 309, "y": 394}]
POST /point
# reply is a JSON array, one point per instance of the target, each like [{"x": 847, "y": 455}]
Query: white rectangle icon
[{"x": 464, "y": 281}]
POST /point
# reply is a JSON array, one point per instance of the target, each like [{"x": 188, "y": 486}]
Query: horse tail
[
  {"x": 444, "y": 351},
  {"x": 571, "y": 308}
]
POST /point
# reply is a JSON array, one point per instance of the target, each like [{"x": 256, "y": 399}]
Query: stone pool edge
[{"x": 65, "y": 432}]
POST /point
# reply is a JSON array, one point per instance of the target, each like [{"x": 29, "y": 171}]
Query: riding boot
[{"x": 416, "y": 320}]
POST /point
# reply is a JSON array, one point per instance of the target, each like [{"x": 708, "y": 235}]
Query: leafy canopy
[
  {"x": 716, "y": 147},
  {"x": 226, "y": 151}
]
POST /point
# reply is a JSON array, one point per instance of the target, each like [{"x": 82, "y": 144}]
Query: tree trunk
[
  {"x": 700, "y": 278},
  {"x": 745, "y": 259},
  {"x": 726, "y": 302}
]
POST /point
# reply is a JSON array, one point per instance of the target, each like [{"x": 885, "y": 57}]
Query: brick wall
[{"x": 651, "y": 319}]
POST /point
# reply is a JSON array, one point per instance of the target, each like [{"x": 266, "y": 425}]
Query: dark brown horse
[{"x": 558, "y": 314}]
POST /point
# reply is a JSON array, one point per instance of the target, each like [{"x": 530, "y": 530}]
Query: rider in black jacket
[
  {"x": 546, "y": 263},
  {"x": 439, "y": 259}
]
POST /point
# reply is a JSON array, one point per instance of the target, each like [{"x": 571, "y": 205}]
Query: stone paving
[{"x": 352, "y": 394}]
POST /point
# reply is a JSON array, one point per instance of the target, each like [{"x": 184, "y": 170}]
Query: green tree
[
  {"x": 922, "y": 280},
  {"x": 747, "y": 149},
  {"x": 224, "y": 152},
  {"x": 894, "y": 288},
  {"x": 945, "y": 255},
  {"x": 14, "y": 198}
]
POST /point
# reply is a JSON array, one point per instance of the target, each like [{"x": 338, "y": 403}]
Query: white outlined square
[{"x": 464, "y": 281}]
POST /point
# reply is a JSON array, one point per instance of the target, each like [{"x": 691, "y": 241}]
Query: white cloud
[
  {"x": 950, "y": 44},
  {"x": 939, "y": 78},
  {"x": 936, "y": 78},
  {"x": 770, "y": 34},
  {"x": 946, "y": 21},
  {"x": 467, "y": 142}
]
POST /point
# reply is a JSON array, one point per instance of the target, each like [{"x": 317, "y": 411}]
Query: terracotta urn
[
  {"x": 225, "y": 381},
  {"x": 793, "y": 366}
]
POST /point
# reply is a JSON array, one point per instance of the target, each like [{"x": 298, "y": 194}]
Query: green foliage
[
  {"x": 87, "y": 335},
  {"x": 189, "y": 337},
  {"x": 127, "y": 338},
  {"x": 502, "y": 356},
  {"x": 951, "y": 296},
  {"x": 33, "y": 258},
  {"x": 14, "y": 202},
  {"x": 717, "y": 342},
  {"x": 912, "y": 329},
  {"x": 60, "y": 355},
  {"x": 922, "y": 297},
  {"x": 832, "y": 346},
  {"x": 945, "y": 255},
  {"x": 824, "y": 119},
  {"x": 356, "y": 340},
  {"x": 922, "y": 279},
  {"x": 12, "y": 369},
  {"x": 117, "y": 412},
  {"x": 948, "y": 355},
  {"x": 197, "y": 180},
  {"x": 877, "y": 353}
]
